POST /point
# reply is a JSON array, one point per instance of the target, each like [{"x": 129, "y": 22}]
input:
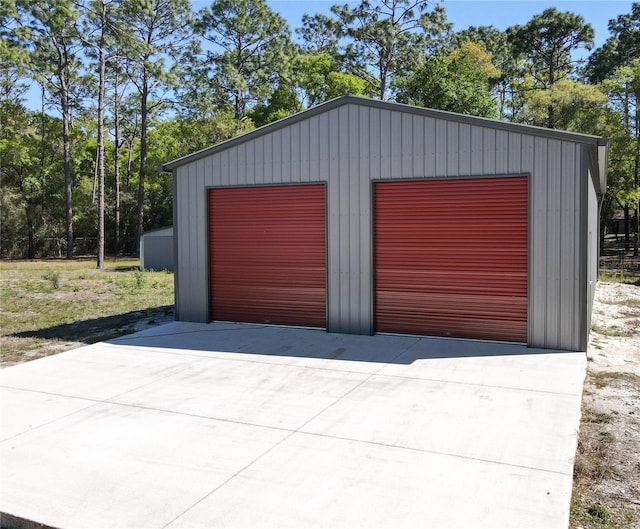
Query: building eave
[{"x": 596, "y": 141}]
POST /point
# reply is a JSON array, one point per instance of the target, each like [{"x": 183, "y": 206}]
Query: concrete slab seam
[
  {"x": 493, "y": 386},
  {"x": 285, "y": 438},
  {"x": 97, "y": 402},
  {"x": 256, "y": 425},
  {"x": 434, "y": 452},
  {"x": 94, "y": 402}
]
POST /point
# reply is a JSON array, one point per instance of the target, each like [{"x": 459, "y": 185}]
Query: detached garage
[{"x": 362, "y": 216}]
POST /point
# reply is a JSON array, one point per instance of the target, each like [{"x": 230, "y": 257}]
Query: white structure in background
[{"x": 156, "y": 250}]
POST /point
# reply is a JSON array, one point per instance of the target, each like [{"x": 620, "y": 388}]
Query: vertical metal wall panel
[
  {"x": 477, "y": 151},
  {"x": 452, "y": 149},
  {"x": 464, "y": 156},
  {"x": 417, "y": 138},
  {"x": 568, "y": 276},
  {"x": 553, "y": 241},
  {"x": 488, "y": 152},
  {"x": 538, "y": 245},
  {"x": 348, "y": 147},
  {"x": 267, "y": 259},
  {"x": 592, "y": 251},
  {"x": 451, "y": 257}
]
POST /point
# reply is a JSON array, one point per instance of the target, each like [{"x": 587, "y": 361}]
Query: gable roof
[{"x": 594, "y": 141}]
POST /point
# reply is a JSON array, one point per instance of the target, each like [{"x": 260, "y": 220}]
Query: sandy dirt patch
[{"x": 607, "y": 469}]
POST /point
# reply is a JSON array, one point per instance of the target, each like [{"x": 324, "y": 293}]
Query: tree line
[{"x": 125, "y": 85}]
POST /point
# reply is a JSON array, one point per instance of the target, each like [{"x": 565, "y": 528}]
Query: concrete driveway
[{"x": 231, "y": 425}]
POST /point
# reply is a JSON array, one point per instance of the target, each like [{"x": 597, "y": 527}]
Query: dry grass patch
[{"x": 49, "y": 306}]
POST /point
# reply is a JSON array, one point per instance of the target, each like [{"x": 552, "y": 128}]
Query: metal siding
[
  {"x": 502, "y": 152},
  {"x": 553, "y": 243},
  {"x": 353, "y": 303},
  {"x": 199, "y": 205},
  {"x": 489, "y": 152},
  {"x": 405, "y": 148},
  {"x": 464, "y": 156},
  {"x": 374, "y": 138},
  {"x": 176, "y": 253},
  {"x": 417, "y": 158},
  {"x": 430, "y": 154},
  {"x": 452, "y": 152},
  {"x": 191, "y": 251},
  {"x": 158, "y": 252},
  {"x": 591, "y": 250},
  {"x": 451, "y": 257},
  {"x": 250, "y": 165},
  {"x": 240, "y": 164},
  {"x": 190, "y": 311},
  {"x": 476, "y": 155},
  {"x": 304, "y": 163},
  {"x": 344, "y": 217},
  {"x": 267, "y": 161},
  {"x": 332, "y": 141},
  {"x": 538, "y": 246},
  {"x": 386, "y": 167},
  {"x": 348, "y": 171},
  {"x": 526, "y": 167},
  {"x": 513, "y": 164},
  {"x": 568, "y": 275},
  {"x": 441, "y": 153},
  {"x": 296, "y": 154},
  {"x": 267, "y": 254}
]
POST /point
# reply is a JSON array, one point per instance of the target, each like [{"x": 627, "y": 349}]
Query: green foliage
[
  {"x": 458, "y": 82},
  {"x": 178, "y": 81},
  {"x": 620, "y": 48},
  {"x": 577, "y": 106},
  {"x": 138, "y": 278},
  {"x": 547, "y": 41},
  {"x": 391, "y": 36},
  {"x": 253, "y": 45},
  {"x": 318, "y": 79},
  {"x": 282, "y": 103},
  {"x": 623, "y": 188},
  {"x": 53, "y": 277}
]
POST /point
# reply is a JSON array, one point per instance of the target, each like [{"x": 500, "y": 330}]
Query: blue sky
[
  {"x": 462, "y": 13},
  {"x": 465, "y": 13}
]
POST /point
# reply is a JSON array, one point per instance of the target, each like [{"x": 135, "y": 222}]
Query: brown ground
[{"x": 607, "y": 470}]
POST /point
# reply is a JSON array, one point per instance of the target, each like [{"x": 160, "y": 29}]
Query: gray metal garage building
[
  {"x": 363, "y": 216},
  {"x": 156, "y": 249}
]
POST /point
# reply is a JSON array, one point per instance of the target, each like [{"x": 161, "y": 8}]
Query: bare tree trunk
[
  {"x": 143, "y": 161},
  {"x": 103, "y": 22},
  {"x": 116, "y": 166},
  {"x": 636, "y": 177},
  {"x": 66, "y": 142},
  {"x": 129, "y": 164},
  {"x": 550, "y": 109}
]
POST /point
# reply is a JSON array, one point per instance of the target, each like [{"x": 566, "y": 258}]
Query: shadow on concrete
[
  {"x": 99, "y": 329},
  {"x": 208, "y": 339}
]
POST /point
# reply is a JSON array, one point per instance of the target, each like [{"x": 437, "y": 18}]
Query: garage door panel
[
  {"x": 267, "y": 254},
  {"x": 451, "y": 257}
]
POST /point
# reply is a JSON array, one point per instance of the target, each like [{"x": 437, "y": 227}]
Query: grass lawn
[{"x": 48, "y": 306}]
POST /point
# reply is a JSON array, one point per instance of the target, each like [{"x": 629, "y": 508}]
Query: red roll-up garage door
[
  {"x": 267, "y": 254},
  {"x": 451, "y": 257}
]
